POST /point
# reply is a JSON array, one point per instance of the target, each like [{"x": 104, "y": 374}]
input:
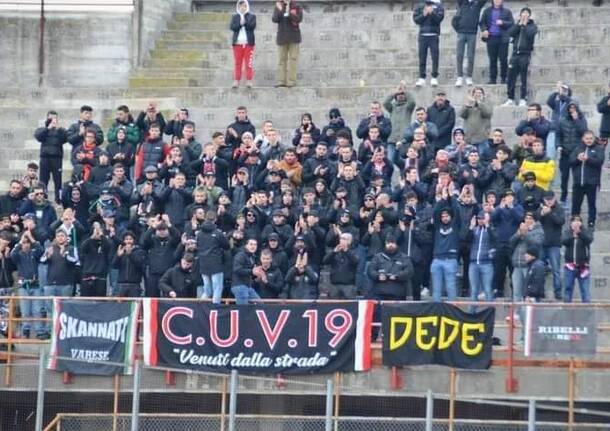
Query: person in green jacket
[
  {"x": 477, "y": 117},
  {"x": 124, "y": 118},
  {"x": 399, "y": 105}
]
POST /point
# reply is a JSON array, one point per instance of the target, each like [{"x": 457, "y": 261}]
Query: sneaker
[
  {"x": 235, "y": 84},
  {"x": 523, "y": 103},
  {"x": 434, "y": 82},
  {"x": 591, "y": 225},
  {"x": 459, "y": 81},
  {"x": 420, "y": 82},
  {"x": 248, "y": 84},
  {"x": 515, "y": 318},
  {"x": 509, "y": 102},
  {"x": 558, "y": 296},
  {"x": 469, "y": 81},
  {"x": 425, "y": 292}
]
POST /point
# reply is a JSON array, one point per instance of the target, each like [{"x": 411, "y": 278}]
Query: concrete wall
[
  {"x": 82, "y": 49},
  {"x": 154, "y": 18}
]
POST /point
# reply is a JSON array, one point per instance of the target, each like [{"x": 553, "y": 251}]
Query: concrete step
[
  {"x": 392, "y": 34},
  {"x": 341, "y": 55},
  {"x": 395, "y": 15},
  {"x": 290, "y": 117},
  {"x": 354, "y": 76},
  {"x": 304, "y": 96}
]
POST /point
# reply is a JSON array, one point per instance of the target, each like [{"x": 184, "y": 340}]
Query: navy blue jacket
[
  {"x": 469, "y": 11},
  {"x": 506, "y": 221},
  {"x": 430, "y": 24},
  {"x": 446, "y": 237}
]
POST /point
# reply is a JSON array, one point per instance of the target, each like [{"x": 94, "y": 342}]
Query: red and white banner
[{"x": 263, "y": 339}]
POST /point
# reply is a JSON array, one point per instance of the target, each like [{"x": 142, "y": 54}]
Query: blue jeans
[
  {"x": 518, "y": 279},
  {"x": 466, "y": 42},
  {"x": 481, "y": 277},
  {"x": 244, "y": 294},
  {"x": 31, "y": 308},
  {"x": 63, "y": 290},
  {"x": 552, "y": 255},
  {"x": 391, "y": 151},
  {"x": 212, "y": 286},
  {"x": 443, "y": 273},
  {"x": 583, "y": 284},
  {"x": 113, "y": 279}
]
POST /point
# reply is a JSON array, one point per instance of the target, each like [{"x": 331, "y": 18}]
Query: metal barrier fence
[
  {"x": 505, "y": 357},
  {"x": 210, "y": 422}
]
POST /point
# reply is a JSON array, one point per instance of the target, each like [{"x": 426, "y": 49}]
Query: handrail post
[
  {"x": 233, "y": 400},
  {"x": 531, "y": 415},
  {"x": 223, "y": 403},
  {"x": 328, "y": 419},
  {"x": 40, "y": 390},
  {"x": 337, "y": 399},
  {"x": 9, "y": 339},
  {"x": 135, "y": 401},
  {"x": 429, "y": 410},
  {"x": 571, "y": 381},
  {"x": 511, "y": 382},
  {"x": 115, "y": 407},
  {"x": 452, "y": 377}
]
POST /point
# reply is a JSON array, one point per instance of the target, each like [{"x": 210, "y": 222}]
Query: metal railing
[
  {"x": 503, "y": 356},
  {"x": 507, "y": 357}
]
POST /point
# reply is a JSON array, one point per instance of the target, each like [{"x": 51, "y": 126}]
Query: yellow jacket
[{"x": 544, "y": 170}]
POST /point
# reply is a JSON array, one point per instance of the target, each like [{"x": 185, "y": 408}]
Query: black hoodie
[{"x": 211, "y": 243}]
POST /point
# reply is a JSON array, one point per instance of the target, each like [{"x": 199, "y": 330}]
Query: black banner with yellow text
[{"x": 436, "y": 333}]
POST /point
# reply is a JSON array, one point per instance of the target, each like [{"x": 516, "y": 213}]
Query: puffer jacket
[
  {"x": 570, "y": 131},
  {"x": 587, "y": 173},
  {"x": 469, "y": 11},
  {"x": 51, "y": 141},
  {"x": 430, "y": 24},
  {"x": 534, "y": 280}
]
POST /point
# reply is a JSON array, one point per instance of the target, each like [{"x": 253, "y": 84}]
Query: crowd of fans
[{"x": 402, "y": 205}]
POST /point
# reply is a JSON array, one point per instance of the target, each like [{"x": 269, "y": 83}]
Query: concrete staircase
[{"x": 352, "y": 53}]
